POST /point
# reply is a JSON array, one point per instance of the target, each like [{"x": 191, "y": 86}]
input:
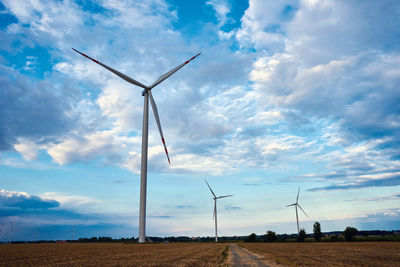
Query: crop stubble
[
  {"x": 330, "y": 254},
  {"x": 105, "y": 254}
]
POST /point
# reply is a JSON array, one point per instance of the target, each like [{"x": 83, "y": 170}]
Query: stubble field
[
  {"x": 106, "y": 254},
  {"x": 330, "y": 254},
  {"x": 198, "y": 254}
]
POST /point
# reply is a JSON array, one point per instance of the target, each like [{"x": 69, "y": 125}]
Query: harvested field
[
  {"x": 330, "y": 254},
  {"x": 110, "y": 254}
]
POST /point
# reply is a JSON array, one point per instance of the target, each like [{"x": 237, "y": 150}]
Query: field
[
  {"x": 330, "y": 254},
  {"x": 198, "y": 254},
  {"x": 112, "y": 254}
]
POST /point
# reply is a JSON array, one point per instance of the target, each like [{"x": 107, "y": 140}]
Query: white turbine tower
[
  {"x": 11, "y": 233},
  {"x": 143, "y": 172},
  {"x": 297, "y": 205},
  {"x": 215, "y": 209}
]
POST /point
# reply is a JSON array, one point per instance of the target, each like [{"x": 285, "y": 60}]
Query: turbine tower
[
  {"x": 215, "y": 209},
  {"x": 11, "y": 232},
  {"x": 297, "y": 205},
  {"x": 147, "y": 94}
]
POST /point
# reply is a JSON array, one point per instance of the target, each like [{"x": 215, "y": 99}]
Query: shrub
[
  {"x": 335, "y": 238},
  {"x": 282, "y": 238},
  {"x": 252, "y": 238},
  {"x": 349, "y": 233},
  {"x": 270, "y": 237},
  {"x": 302, "y": 235}
]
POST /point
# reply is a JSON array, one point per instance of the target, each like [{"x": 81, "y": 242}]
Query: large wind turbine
[
  {"x": 146, "y": 93},
  {"x": 297, "y": 205},
  {"x": 215, "y": 209}
]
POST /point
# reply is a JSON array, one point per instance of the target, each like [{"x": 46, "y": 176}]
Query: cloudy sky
[{"x": 285, "y": 94}]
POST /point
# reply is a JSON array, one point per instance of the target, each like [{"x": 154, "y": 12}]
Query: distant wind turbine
[
  {"x": 72, "y": 234},
  {"x": 11, "y": 232},
  {"x": 146, "y": 93},
  {"x": 297, "y": 205},
  {"x": 215, "y": 209}
]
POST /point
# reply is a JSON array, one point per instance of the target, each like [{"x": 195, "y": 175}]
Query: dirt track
[{"x": 239, "y": 256}]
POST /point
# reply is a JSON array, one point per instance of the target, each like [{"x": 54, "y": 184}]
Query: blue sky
[{"x": 285, "y": 94}]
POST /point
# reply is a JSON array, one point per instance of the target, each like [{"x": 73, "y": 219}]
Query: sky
[{"x": 286, "y": 94}]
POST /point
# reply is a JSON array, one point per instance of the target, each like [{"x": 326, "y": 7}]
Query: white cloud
[
  {"x": 70, "y": 201},
  {"x": 222, "y": 9},
  {"x": 123, "y": 103},
  {"x": 7, "y": 193},
  {"x": 263, "y": 24},
  {"x": 325, "y": 68},
  {"x": 326, "y": 64},
  {"x": 139, "y": 14},
  {"x": 102, "y": 144},
  {"x": 47, "y": 17},
  {"x": 28, "y": 149}
]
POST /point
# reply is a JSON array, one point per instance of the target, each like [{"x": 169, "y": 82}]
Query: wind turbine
[
  {"x": 72, "y": 234},
  {"x": 11, "y": 232},
  {"x": 143, "y": 171},
  {"x": 215, "y": 209},
  {"x": 297, "y": 205}
]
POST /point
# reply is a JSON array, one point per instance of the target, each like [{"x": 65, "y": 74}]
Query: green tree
[
  {"x": 302, "y": 235},
  {"x": 349, "y": 233},
  {"x": 335, "y": 238},
  {"x": 252, "y": 238},
  {"x": 270, "y": 237},
  {"x": 317, "y": 231}
]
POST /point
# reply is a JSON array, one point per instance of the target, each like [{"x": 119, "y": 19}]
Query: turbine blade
[
  {"x": 294, "y": 204},
  {"x": 155, "y": 111},
  {"x": 302, "y": 210},
  {"x": 169, "y": 73},
  {"x": 297, "y": 199},
  {"x": 225, "y": 196},
  {"x": 210, "y": 188},
  {"x": 123, "y": 76}
]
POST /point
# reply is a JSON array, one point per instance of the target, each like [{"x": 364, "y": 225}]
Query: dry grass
[
  {"x": 103, "y": 254},
  {"x": 330, "y": 254}
]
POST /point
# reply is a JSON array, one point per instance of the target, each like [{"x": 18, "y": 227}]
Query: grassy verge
[{"x": 225, "y": 253}]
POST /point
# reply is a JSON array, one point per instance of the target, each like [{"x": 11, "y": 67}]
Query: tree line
[{"x": 349, "y": 234}]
